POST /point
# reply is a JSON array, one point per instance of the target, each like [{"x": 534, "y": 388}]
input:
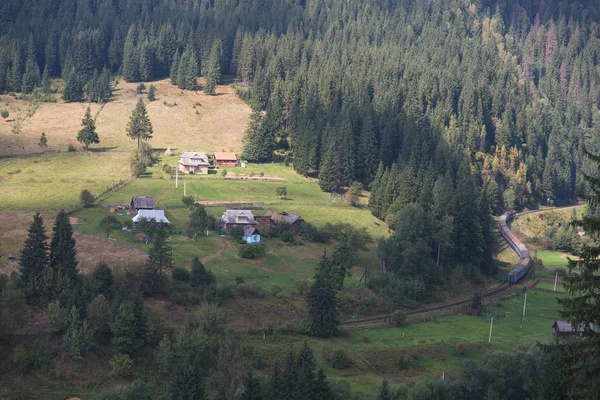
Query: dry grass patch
[{"x": 197, "y": 121}]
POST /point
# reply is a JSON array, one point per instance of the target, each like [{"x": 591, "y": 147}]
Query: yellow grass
[{"x": 219, "y": 124}]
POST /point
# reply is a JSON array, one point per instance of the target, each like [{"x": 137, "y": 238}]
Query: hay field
[{"x": 196, "y": 123}]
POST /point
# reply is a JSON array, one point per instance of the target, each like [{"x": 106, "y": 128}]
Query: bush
[
  {"x": 236, "y": 233},
  {"x": 249, "y": 290},
  {"x": 58, "y": 318},
  {"x": 212, "y": 319},
  {"x": 366, "y": 339},
  {"x": 223, "y": 172},
  {"x": 403, "y": 363},
  {"x": 252, "y": 251},
  {"x": 398, "y": 318},
  {"x": 301, "y": 286},
  {"x": 19, "y": 358},
  {"x": 181, "y": 275},
  {"x": 258, "y": 362},
  {"x": 140, "y": 88},
  {"x": 340, "y": 360},
  {"x": 121, "y": 365},
  {"x": 461, "y": 348},
  {"x": 4, "y": 113},
  {"x": 86, "y": 198},
  {"x": 275, "y": 290},
  {"x": 71, "y": 149}
]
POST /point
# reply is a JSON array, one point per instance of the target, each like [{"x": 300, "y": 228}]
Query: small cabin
[
  {"x": 141, "y": 203},
  {"x": 565, "y": 329},
  {"x": 251, "y": 235},
  {"x": 225, "y": 160}
]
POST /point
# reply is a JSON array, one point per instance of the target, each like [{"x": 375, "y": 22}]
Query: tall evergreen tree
[
  {"x": 146, "y": 62},
  {"x": 174, "y": 71},
  {"x": 322, "y": 390},
  {"x": 384, "y": 391},
  {"x": 123, "y": 329},
  {"x": 63, "y": 254},
  {"x": 187, "y": 382},
  {"x": 139, "y": 127},
  {"x": 34, "y": 257},
  {"x": 160, "y": 255},
  {"x": 131, "y": 57},
  {"x": 31, "y": 76},
  {"x": 252, "y": 390},
  {"x": 88, "y": 135},
  {"x": 212, "y": 70},
  {"x": 73, "y": 90},
  {"x": 321, "y": 302}
]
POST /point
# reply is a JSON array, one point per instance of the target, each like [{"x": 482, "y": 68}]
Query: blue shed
[{"x": 251, "y": 235}]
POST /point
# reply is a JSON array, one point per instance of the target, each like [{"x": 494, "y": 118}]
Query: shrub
[
  {"x": 86, "y": 198},
  {"x": 40, "y": 355},
  {"x": 252, "y": 251},
  {"x": 258, "y": 362},
  {"x": 398, "y": 318},
  {"x": 71, "y": 149},
  {"x": 301, "y": 286},
  {"x": 249, "y": 290},
  {"x": 340, "y": 360},
  {"x": 181, "y": 275},
  {"x": 4, "y": 113},
  {"x": 19, "y": 358},
  {"x": 223, "y": 172},
  {"x": 239, "y": 280},
  {"x": 403, "y": 363},
  {"x": 212, "y": 318},
  {"x": 121, "y": 365},
  {"x": 366, "y": 339},
  {"x": 461, "y": 348},
  {"x": 275, "y": 290},
  {"x": 187, "y": 201},
  {"x": 237, "y": 232},
  {"x": 58, "y": 318},
  {"x": 140, "y": 88}
]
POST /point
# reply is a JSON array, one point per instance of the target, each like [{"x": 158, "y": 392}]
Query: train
[{"x": 525, "y": 262}]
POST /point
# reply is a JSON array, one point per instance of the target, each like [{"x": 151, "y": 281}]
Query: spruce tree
[
  {"x": 160, "y": 255},
  {"x": 321, "y": 302},
  {"x": 276, "y": 387},
  {"x": 152, "y": 93},
  {"x": 305, "y": 377},
  {"x": 31, "y": 76},
  {"x": 79, "y": 335},
  {"x": 73, "y": 90},
  {"x": 199, "y": 276},
  {"x": 252, "y": 390},
  {"x": 88, "y": 135},
  {"x": 123, "y": 329},
  {"x": 322, "y": 390},
  {"x": 43, "y": 143},
  {"x": 187, "y": 381},
  {"x": 63, "y": 254},
  {"x": 46, "y": 83},
  {"x": 329, "y": 173},
  {"x": 174, "y": 71},
  {"x": 139, "y": 127},
  {"x": 131, "y": 57},
  {"x": 146, "y": 62},
  {"x": 384, "y": 391},
  {"x": 34, "y": 257},
  {"x": 141, "y": 321},
  {"x": 212, "y": 72}
]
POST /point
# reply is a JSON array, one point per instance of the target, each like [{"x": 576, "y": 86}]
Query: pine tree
[
  {"x": 329, "y": 173},
  {"x": 276, "y": 385},
  {"x": 259, "y": 142},
  {"x": 131, "y": 57},
  {"x": 34, "y": 257},
  {"x": 384, "y": 391},
  {"x": 198, "y": 221},
  {"x": 152, "y": 93},
  {"x": 188, "y": 71},
  {"x": 88, "y": 135},
  {"x": 46, "y": 83},
  {"x": 31, "y": 76},
  {"x": 305, "y": 377},
  {"x": 199, "y": 276},
  {"x": 252, "y": 390},
  {"x": 174, "y": 71},
  {"x": 212, "y": 72},
  {"x": 160, "y": 255},
  {"x": 322, "y": 390},
  {"x": 141, "y": 321},
  {"x": 186, "y": 382},
  {"x": 73, "y": 90},
  {"x": 79, "y": 335},
  {"x": 63, "y": 254},
  {"x": 123, "y": 329},
  {"x": 321, "y": 302},
  {"x": 139, "y": 127},
  {"x": 43, "y": 143},
  {"x": 146, "y": 62}
]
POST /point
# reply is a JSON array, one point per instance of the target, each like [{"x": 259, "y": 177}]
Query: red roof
[{"x": 225, "y": 157}]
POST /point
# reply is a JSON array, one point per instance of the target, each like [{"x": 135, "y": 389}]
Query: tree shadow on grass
[{"x": 101, "y": 149}]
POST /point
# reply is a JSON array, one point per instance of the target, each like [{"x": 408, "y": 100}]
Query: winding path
[{"x": 216, "y": 254}]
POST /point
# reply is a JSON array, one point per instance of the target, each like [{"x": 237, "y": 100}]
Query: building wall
[
  {"x": 252, "y": 239},
  {"x": 196, "y": 170},
  {"x": 222, "y": 163}
]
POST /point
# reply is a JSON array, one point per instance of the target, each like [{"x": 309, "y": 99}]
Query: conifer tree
[
  {"x": 322, "y": 390},
  {"x": 252, "y": 390},
  {"x": 45, "y": 83},
  {"x": 305, "y": 377},
  {"x": 259, "y": 142},
  {"x": 73, "y": 90},
  {"x": 174, "y": 71},
  {"x": 88, "y": 135},
  {"x": 198, "y": 221},
  {"x": 34, "y": 257},
  {"x": 212, "y": 72},
  {"x": 139, "y": 127},
  {"x": 123, "y": 329},
  {"x": 384, "y": 391},
  {"x": 199, "y": 276},
  {"x": 146, "y": 62},
  {"x": 329, "y": 173},
  {"x": 31, "y": 76},
  {"x": 321, "y": 302},
  {"x": 160, "y": 255},
  {"x": 186, "y": 382},
  {"x": 43, "y": 143},
  {"x": 79, "y": 335},
  {"x": 141, "y": 321},
  {"x": 131, "y": 57},
  {"x": 63, "y": 254},
  {"x": 276, "y": 385},
  {"x": 152, "y": 93}
]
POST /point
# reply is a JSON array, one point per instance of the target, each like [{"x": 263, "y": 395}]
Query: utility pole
[
  {"x": 176, "y": 177},
  {"x": 555, "y": 280},
  {"x": 491, "y": 324},
  {"x": 525, "y": 303},
  {"x": 184, "y": 188}
]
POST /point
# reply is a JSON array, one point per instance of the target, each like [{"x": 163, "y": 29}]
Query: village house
[
  {"x": 193, "y": 163},
  {"x": 142, "y": 203},
  {"x": 156, "y": 215},
  {"x": 294, "y": 220},
  {"x": 564, "y": 329},
  {"x": 251, "y": 235},
  {"x": 231, "y": 218},
  {"x": 225, "y": 160}
]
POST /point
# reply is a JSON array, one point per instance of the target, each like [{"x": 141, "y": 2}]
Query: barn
[
  {"x": 142, "y": 203},
  {"x": 157, "y": 215},
  {"x": 225, "y": 160}
]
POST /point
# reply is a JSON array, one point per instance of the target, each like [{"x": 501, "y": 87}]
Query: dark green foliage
[
  {"x": 123, "y": 329},
  {"x": 99, "y": 89},
  {"x": 73, "y": 90},
  {"x": 63, "y": 255},
  {"x": 236, "y": 232},
  {"x": 188, "y": 201},
  {"x": 86, "y": 198},
  {"x": 4, "y": 113},
  {"x": 137, "y": 390},
  {"x": 139, "y": 126},
  {"x": 152, "y": 93},
  {"x": 198, "y": 222},
  {"x": 199, "y": 276},
  {"x": 79, "y": 335},
  {"x": 398, "y": 318},
  {"x": 339, "y": 360},
  {"x": 187, "y": 381},
  {"x": 181, "y": 275},
  {"x": 34, "y": 258},
  {"x": 160, "y": 260},
  {"x": 43, "y": 143},
  {"x": 384, "y": 391},
  {"x": 212, "y": 68},
  {"x": 259, "y": 142},
  {"x": 321, "y": 302},
  {"x": 252, "y": 389},
  {"x": 88, "y": 135},
  {"x": 252, "y": 251},
  {"x": 476, "y": 303},
  {"x": 13, "y": 308}
]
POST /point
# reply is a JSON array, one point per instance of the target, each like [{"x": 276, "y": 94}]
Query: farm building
[
  {"x": 231, "y": 218},
  {"x": 225, "y": 160},
  {"x": 564, "y": 329},
  {"x": 251, "y": 235},
  {"x": 284, "y": 218},
  {"x": 142, "y": 203},
  {"x": 157, "y": 215},
  {"x": 193, "y": 162},
  {"x": 264, "y": 220}
]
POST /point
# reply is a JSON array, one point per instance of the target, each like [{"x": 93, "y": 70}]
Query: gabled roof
[
  {"x": 193, "y": 158},
  {"x": 157, "y": 215},
  {"x": 229, "y": 216},
  {"x": 286, "y": 218},
  {"x": 142, "y": 202},
  {"x": 249, "y": 230},
  {"x": 225, "y": 157}
]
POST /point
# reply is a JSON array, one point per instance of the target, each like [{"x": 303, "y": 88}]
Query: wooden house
[
  {"x": 141, "y": 203},
  {"x": 231, "y": 218},
  {"x": 294, "y": 220},
  {"x": 193, "y": 163},
  {"x": 251, "y": 235},
  {"x": 225, "y": 160}
]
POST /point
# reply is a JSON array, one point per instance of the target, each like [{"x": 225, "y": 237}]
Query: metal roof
[
  {"x": 157, "y": 215},
  {"x": 249, "y": 230},
  {"x": 193, "y": 158},
  {"x": 231, "y": 217},
  {"x": 565, "y": 326},
  {"x": 225, "y": 157}
]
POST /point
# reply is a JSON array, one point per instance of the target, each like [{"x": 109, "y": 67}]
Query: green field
[
  {"x": 550, "y": 286},
  {"x": 50, "y": 182},
  {"x": 553, "y": 259}
]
